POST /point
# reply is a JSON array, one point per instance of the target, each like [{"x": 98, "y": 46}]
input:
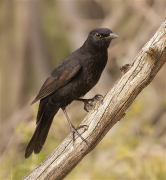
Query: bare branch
[{"x": 135, "y": 77}]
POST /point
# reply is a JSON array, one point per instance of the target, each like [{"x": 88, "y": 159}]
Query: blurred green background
[{"x": 34, "y": 37}]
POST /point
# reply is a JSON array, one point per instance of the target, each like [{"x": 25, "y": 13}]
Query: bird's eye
[{"x": 98, "y": 35}]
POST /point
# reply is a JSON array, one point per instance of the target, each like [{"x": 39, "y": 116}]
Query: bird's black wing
[{"x": 55, "y": 81}]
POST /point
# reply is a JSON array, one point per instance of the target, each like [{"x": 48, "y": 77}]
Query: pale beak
[{"x": 113, "y": 36}]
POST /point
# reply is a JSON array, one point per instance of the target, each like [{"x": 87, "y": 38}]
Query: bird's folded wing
[{"x": 53, "y": 83}]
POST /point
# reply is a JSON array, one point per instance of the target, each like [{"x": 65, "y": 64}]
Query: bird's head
[{"x": 100, "y": 38}]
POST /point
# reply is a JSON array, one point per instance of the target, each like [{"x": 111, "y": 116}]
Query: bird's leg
[
  {"x": 88, "y": 103},
  {"x": 73, "y": 129}
]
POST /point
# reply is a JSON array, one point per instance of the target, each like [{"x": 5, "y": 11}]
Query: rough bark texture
[{"x": 135, "y": 77}]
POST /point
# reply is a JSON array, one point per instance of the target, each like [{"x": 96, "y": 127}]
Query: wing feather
[{"x": 53, "y": 83}]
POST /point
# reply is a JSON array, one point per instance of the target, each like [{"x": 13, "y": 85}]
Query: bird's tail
[{"x": 39, "y": 137}]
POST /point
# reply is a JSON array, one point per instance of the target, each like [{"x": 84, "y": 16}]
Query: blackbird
[{"x": 74, "y": 77}]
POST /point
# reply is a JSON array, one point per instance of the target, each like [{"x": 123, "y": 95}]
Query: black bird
[{"x": 74, "y": 77}]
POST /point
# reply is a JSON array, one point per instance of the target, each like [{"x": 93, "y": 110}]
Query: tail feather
[
  {"x": 39, "y": 137},
  {"x": 43, "y": 135}
]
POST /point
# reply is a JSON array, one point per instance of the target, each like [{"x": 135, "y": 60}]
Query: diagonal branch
[{"x": 135, "y": 77}]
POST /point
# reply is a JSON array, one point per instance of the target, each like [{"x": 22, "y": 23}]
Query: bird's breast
[{"x": 94, "y": 68}]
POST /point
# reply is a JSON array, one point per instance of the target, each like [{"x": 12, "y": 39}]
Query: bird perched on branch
[{"x": 74, "y": 77}]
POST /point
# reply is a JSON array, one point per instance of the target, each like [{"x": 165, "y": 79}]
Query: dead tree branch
[{"x": 135, "y": 77}]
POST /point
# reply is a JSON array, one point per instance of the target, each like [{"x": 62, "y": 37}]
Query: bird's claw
[
  {"x": 75, "y": 130},
  {"x": 89, "y": 103},
  {"x": 99, "y": 97},
  {"x": 82, "y": 126}
]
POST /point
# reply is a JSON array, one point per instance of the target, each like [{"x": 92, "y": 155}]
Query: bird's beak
[{"x": 113, "y": 36}]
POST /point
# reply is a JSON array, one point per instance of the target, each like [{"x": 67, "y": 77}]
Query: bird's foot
[
  {"x": 75, "y": 130},
  {"x": 89, "y": 104}
]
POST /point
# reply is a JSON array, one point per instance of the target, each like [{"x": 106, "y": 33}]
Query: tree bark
[{"x": 135, "y": 77}]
